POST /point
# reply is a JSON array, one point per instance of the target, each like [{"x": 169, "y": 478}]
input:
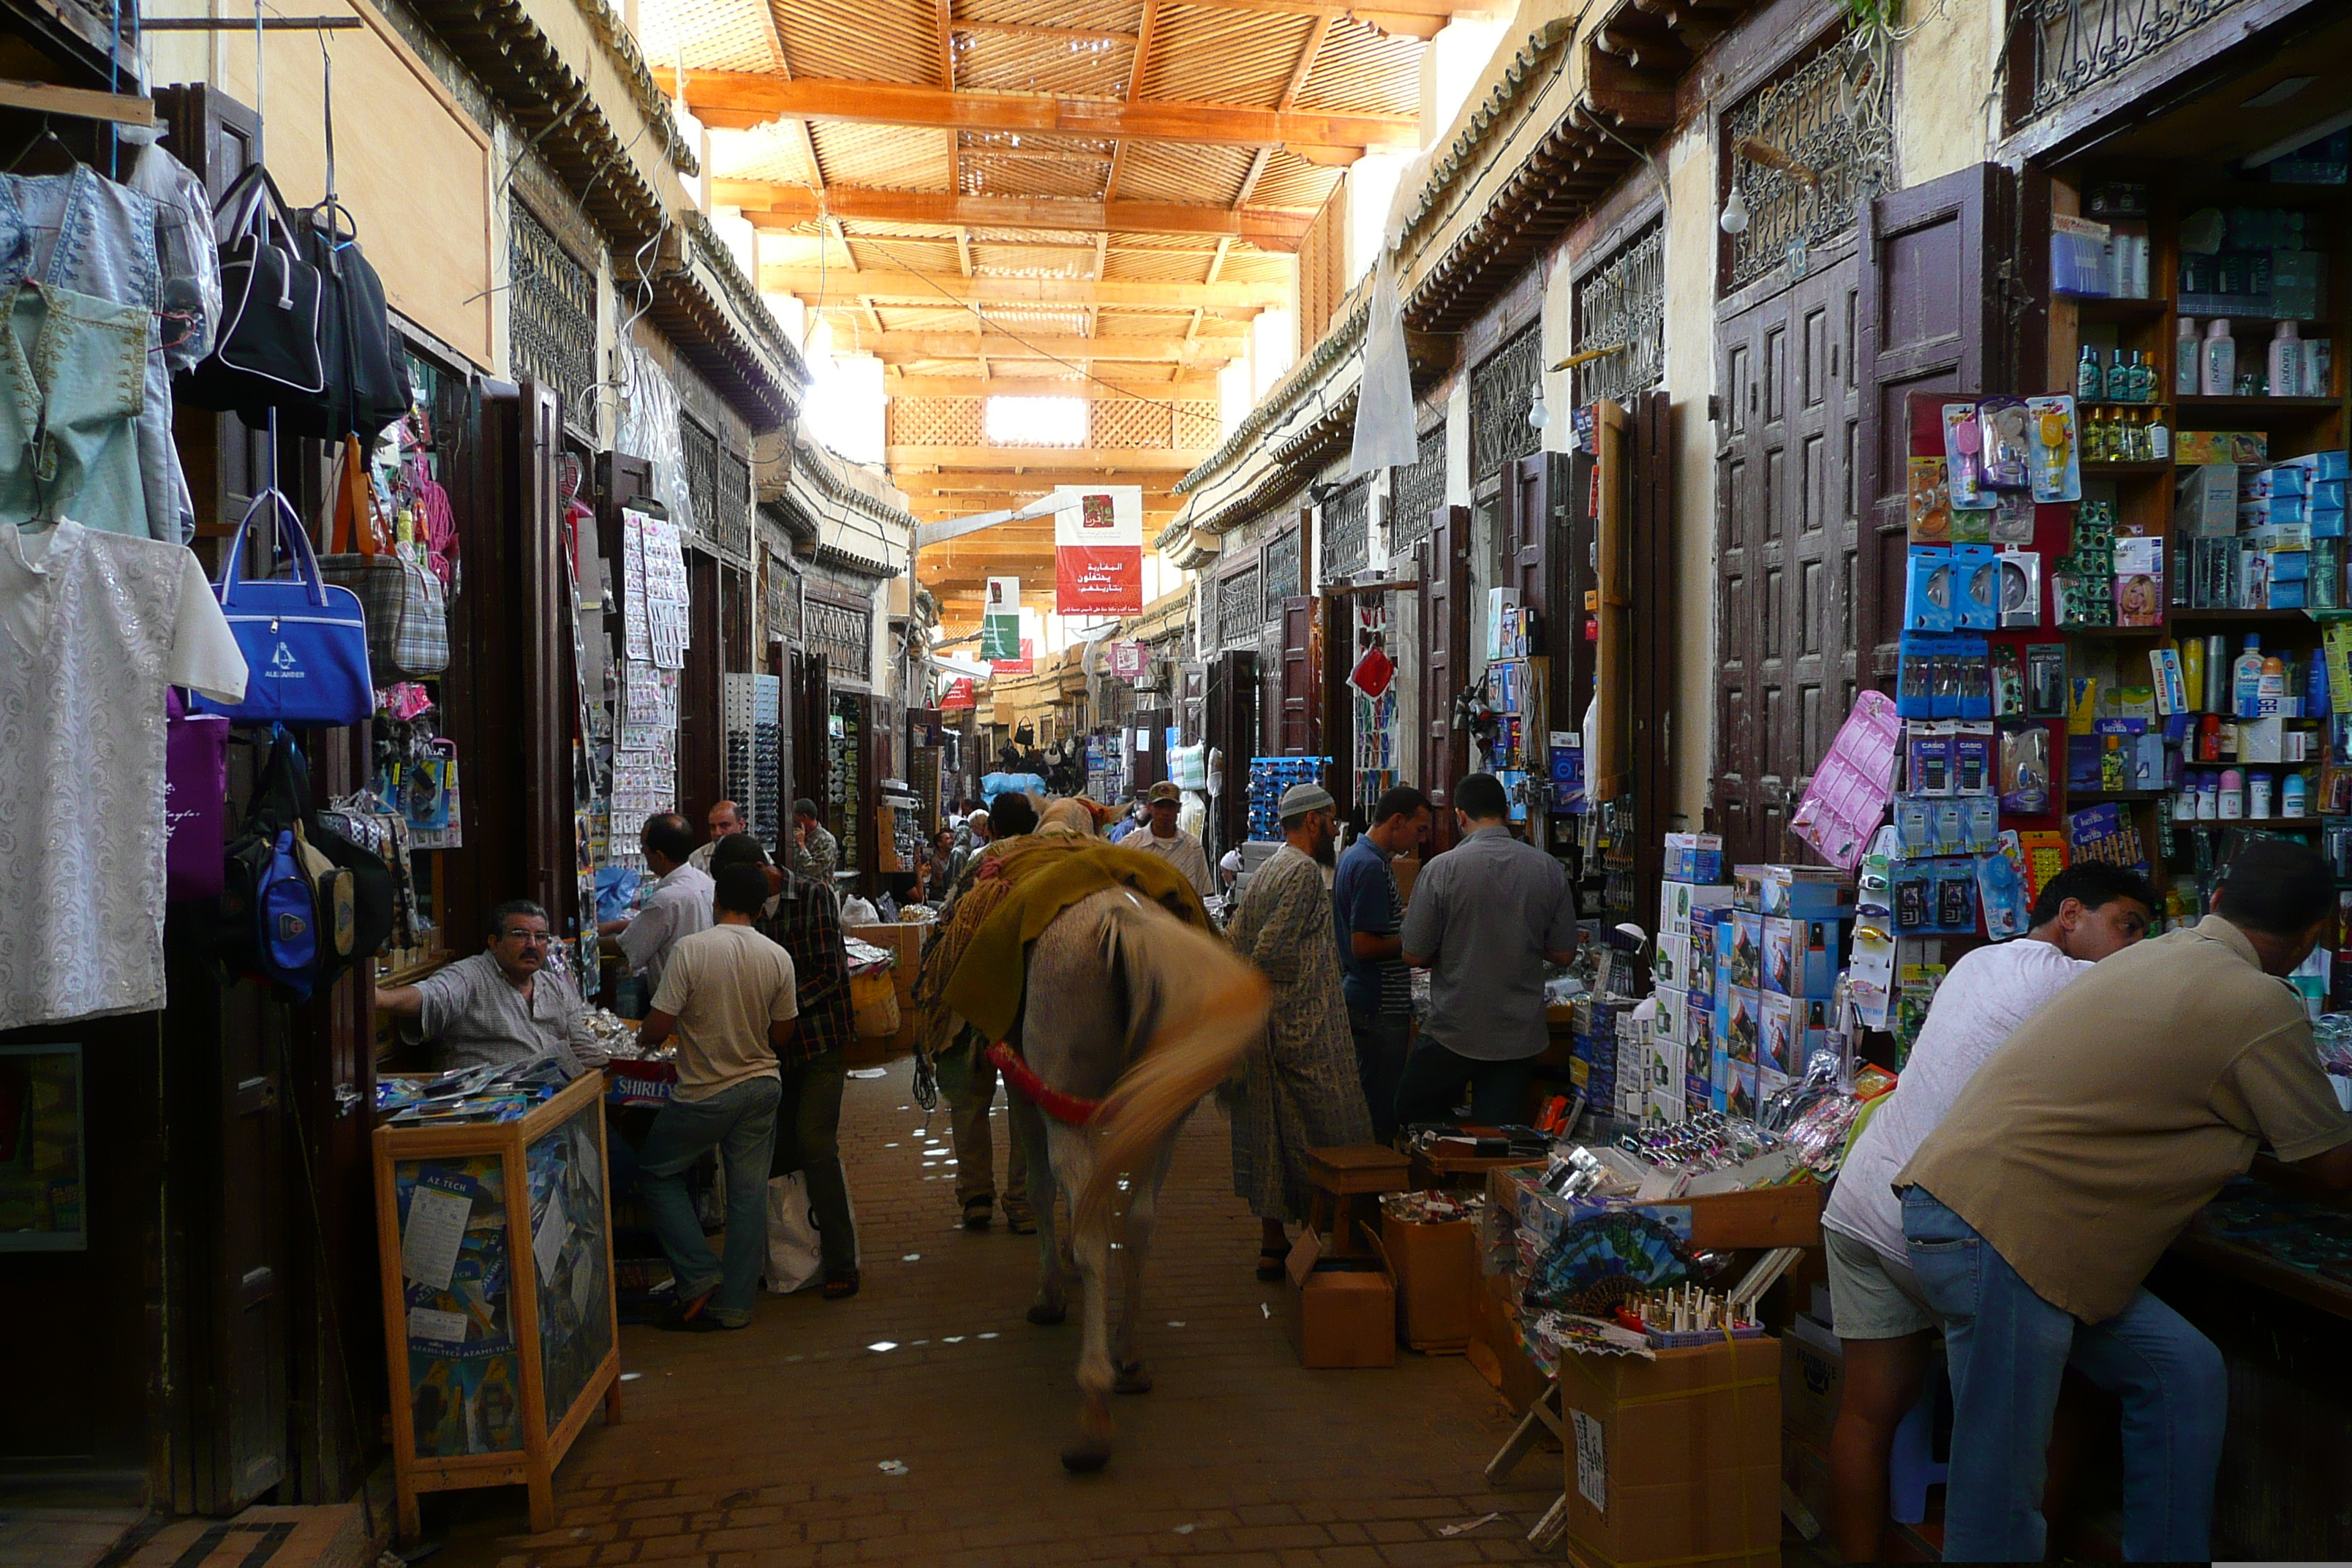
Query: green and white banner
[{"x": 999, "y": 619}]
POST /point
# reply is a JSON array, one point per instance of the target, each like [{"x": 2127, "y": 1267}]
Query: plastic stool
[{"x": 1911, "y": 1465}]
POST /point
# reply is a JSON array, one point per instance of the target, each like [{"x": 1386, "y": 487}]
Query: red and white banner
[
  {"x": 1026, "y": 665},
  {"x": 959, "y": 694},
  {"x": 1099, "y": 550},
  {"x": 1129, "y": 660}
]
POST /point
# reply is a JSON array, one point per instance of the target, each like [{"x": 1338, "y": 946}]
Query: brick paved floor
[{"x": 764, "y": 1448}]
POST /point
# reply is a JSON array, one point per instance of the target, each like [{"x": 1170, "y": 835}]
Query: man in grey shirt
[
  {"x": 1484, "y": 917},
  {"x": 500, "y": 1005}
]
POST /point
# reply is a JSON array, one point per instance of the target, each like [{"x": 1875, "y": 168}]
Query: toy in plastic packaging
[
  {"x": 2006, "y": 447},
  {"x": 1964, "y": 456},
  {"x": 1930, "y": 516},
  {"x": 1848, "y": 793},
  {"x": 2001, "y": 889},
  {"x": 1975, "y": 587},
  {"x": 2025, "y": 770},
  {"x": 2056, "y": 462},
  {"x": 2013, "y": 517},
  {"x": 2045, "y": 679},
  {"x": 2008, "y": 681},
  {"x": 1972, "y": 525},
  {"x": 2020, "y": 587}
]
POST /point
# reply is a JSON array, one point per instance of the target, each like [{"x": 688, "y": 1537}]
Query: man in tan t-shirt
[
  {"x": 2083, "y": 1146},
  {"x": 729, "y": 995}
]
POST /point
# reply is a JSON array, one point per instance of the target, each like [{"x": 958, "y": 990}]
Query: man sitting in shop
[
  {"x": 816, "y": 853},
  {"x": 2081, "y": 1149},
  {"x": 1172, "y": 843},
  {"x": 729, "y": 995},
  {"x": 803, "y": 917},
  {"x": 503, "y": 1005},
  {"x": 726, "y": 821},
  {"x": 676, "y": 905},
  {"x": 1369, "y": 912},
  {"x": 2084, "y": 913},
  {"x": 1485, "y": 917}
]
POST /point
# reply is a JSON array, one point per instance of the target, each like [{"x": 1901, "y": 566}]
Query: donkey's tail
[{"x": 1198, "y": 1008}]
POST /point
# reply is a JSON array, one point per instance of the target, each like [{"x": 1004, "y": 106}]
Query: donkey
[{"x": 1129, "y": 1016}]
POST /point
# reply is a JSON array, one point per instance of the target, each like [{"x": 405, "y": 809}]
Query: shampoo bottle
[
  {"x": 2218, "y": 376},
  {"x": 2185, "y": 359},
  {"x": 2284, "y": 368},
  {"x": 2246, "y": 680},
  {"x": 2192, "y": 673}
]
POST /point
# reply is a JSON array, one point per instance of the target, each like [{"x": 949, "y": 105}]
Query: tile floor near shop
[{"x": 766, "y": 1448}]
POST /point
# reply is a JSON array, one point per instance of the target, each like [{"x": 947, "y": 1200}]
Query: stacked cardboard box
[{"x": 1684, "y": 973}]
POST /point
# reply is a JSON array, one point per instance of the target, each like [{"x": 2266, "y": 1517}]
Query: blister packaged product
[
  {"x": 1964, "y": 456},
  {"x": 2008, "y": 681},
  {"x": 2001, "y": 889},
  {"x": 2025, "y": 770},
  {"x": 2045, "y": 681},
  {"x": 2006, "y": 441},
  {"x": 2055, "y": 462}
]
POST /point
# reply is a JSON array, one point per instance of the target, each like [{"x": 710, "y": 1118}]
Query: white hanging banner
[
  {"x": 1099, "y": 550},
  {"x": 1385, "y": 436}
]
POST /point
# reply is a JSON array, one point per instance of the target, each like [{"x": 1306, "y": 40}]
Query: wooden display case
[{"x": 501, "y": 1333}]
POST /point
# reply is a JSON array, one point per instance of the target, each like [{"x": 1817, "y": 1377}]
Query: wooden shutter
[
  {"x": 1232, "y": 703},
  {"x": 1302, "y": 728},
  {"x": 702, "y": 694},
  {"x": 812, "y": 734},
  {"x": 550, "y": 688},
  {"x": 1335, "y": 657},
  {"x": 1656, "y": 643},
  {"x": 1443, "y": 559},
  {"x": 1528, "y": 514},
  {"x": 1934, "y": 261}
]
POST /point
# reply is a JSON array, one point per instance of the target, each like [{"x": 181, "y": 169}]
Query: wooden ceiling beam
[
  {"x": 1180, "y": 459},
  {"x": 1198, "y": 389},
  {"x": 940, "y": 289},
  {"x": 1136, "y": 66},
  {"x": 771, "y": 204},
  {"x": 1039, "y": 30},
  {"x": 905, "y": 347},
  {"x": 740, "y": 99}
]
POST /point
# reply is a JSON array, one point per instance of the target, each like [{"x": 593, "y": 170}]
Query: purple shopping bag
[{"x": 196, "y": 788}]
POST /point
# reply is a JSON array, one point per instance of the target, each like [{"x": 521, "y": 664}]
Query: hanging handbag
[
  {"x": 366, "y": 387},
  {"x": 305, "y": 642},
  {"x": 266, "y": 352},
  {"x": 408, "y": 624},
  {"x": 269, "y": 921},
  {"x": 195, "y": 791}
]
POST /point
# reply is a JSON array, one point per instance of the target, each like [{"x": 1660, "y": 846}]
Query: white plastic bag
[{"x": 794, "y": 1260}]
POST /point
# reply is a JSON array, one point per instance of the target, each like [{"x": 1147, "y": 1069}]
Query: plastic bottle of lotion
[
  {"x": 2270, "y": 689},
  {"x": 2293, "y": 793},
  {"x": 2246, "y": 679},
  {"x": 2284, "y": 365},
  {"x": 2258, "y": 796},
  {"x": 2185, "y": 359},
  {"x": 2233, "y": 795},
  {"x": 2209, "y": 795},
  {"x": 2192, "y": 673},
  {"x": 2218, "y": 376}
]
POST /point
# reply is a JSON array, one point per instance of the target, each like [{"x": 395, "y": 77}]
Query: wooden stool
[{"x": 1340, "y": 1176}]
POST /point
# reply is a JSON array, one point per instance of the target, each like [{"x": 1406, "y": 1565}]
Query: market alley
[{"x": 768, "y": 1449}]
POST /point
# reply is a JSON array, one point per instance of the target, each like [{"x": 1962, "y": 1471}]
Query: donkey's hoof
[
  {"x": 1086, "y": 1455},
  {"x": 1049, "y": 1314},
  {"x": 1132, "y": 1379}
]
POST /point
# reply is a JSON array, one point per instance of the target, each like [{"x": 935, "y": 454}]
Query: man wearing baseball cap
[{"x": 1172, "y": 843}]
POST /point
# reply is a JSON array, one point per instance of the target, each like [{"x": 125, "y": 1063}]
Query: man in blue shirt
[{"x": 1368, "y": 914}]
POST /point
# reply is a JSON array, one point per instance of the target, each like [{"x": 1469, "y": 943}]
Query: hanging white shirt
[{"x": 96, "y": 625}]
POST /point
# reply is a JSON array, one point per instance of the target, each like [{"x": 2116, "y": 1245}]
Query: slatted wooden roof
[{"x": 1084, "y": 197}]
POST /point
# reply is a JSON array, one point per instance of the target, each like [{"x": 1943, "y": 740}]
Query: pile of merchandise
[{"x": 502, "y": 1091}]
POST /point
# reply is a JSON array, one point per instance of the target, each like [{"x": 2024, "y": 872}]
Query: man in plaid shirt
[{"x": 804, "y": 919}]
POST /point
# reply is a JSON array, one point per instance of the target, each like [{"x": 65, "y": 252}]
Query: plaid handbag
[{"x": 407, "y": 615}]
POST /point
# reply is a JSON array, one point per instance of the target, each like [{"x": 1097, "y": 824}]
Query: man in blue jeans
[
  {"x": 1369, "y": 912},
  {"x": 1485, "y": 917},
  {"x": 729, "y": 994},
  {"x": 2083, "y": 1146}
]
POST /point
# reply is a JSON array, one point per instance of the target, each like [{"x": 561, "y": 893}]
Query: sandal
[
  {"x": 976, "y": 1213},
  {"x": 1270, "y": 1273},
  {"x": 841, "y": 1287}
]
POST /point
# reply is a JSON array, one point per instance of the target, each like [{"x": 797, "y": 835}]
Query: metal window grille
[
  {"x": 2078, "y": 44},
  {"x": 1501, "y": 388},
  {"x": 734, "y": 503},
  {"x": 701, "y": 450},
  {"x": 552, "y": 317},
  {"x": 1417, "y": 492},
  {"x": 1237, "y": 608},
  {"x": 1832, "y": 117},
  {"x": 843, "y": 634},
  {"x": 1622, "y": 303},
  {"x": 1348, "y": 530},
  {"x": 1279, "y": 573}
]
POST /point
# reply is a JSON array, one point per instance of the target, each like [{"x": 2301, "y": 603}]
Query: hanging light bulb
[
  {"x": 1735, "y": 212},
  {"x": 1538, "y": 414}
]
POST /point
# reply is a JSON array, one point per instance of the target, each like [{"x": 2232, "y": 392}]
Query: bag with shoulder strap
[
  {"x": 407, "y": 615},
  {"x": 265, "y": 350},
  {"x": 302, "y": 904},
  {"x": 305, "y": 641}
]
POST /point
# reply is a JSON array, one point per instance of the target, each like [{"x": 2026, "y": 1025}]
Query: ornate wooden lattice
[
  {"x": 1237, "y": 608},
  {"x": 783, "y": 596},
  {"x": 734, "y": 504},
  {"x": 1197, "y": 426},
  {"x": 1278, "y": 572},
  {"x": 1128, "y": 422},
  {"x": 1501, "y": 389},
  {"x": 552, "y": 317},
  {"x": 1839, "y": 139},
  {"x": 701, "y": 451},
  {"x": 2078, "y": 44},
  {"x": 843, "y": 634},
  {"x": 1417, "y": 492},
  {"x": 939, "y": 421},
  {"x": 1347, "y": 546},
  {"x": 1622, "y": 303}
]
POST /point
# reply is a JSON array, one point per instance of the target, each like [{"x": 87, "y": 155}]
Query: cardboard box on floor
[
  {"x": 1812, "y": 1383},
  {"x": 906, "y": 941},
  {"x": 1341, "y": 1314},
  {"x": 1677, "y": 1459},
  {"x": 1436, "y": 1270}
]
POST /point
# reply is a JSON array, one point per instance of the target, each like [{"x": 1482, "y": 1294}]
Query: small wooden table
[
  {"x": 1340, "y": 1176},
  {"x": 1449, "y": 1165}
]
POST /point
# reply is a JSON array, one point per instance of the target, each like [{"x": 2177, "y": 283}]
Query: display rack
[{"x": 501, "y": 1331}]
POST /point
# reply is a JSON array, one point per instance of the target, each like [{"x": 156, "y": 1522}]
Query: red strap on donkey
[{"x": 1067, "y": 1108}]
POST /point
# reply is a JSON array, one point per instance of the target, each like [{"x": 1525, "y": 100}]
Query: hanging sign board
[
  {"x": 1024, "y": 665},
  {"x": 959, "y": 694},
  {"x": 999, "y": 619},
  {"x": 1099, "y": 550},
  {"x": 1129, "y": 660}
]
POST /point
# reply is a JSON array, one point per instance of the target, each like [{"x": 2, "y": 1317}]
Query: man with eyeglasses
[{"x": 503, "y": 1005}]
